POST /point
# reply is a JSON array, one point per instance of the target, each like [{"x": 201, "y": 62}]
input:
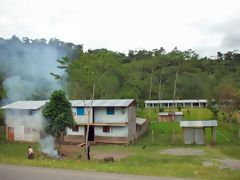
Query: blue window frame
[
  {"x": 110, "y": 110},
  {"x": 80, "y": 111}
]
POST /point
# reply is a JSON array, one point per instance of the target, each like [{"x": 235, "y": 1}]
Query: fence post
[{"x": 152, "y": 136}]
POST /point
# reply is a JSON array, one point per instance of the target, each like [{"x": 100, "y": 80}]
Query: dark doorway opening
[{"x": 90, "y": 133}]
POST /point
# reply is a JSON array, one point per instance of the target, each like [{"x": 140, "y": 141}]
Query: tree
[
  {"x": 228, "y": 98},
  {"x": 59, "y": 116}
]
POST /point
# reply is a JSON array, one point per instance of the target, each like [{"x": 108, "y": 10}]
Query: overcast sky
[{"x": 206, "y": 26}]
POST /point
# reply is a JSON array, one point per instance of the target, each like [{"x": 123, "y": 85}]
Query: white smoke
[
  {"x": 31, "y": 119},
  {"x": 47, "y": 145},
  {"x": 26, "y": 118},
  {"x": 26, "y": 69}
]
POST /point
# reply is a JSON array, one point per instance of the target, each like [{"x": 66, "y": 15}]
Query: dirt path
[{"x": 183, "y": 152}]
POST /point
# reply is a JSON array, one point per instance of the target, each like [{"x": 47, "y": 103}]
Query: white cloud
[{"x": 122, "y": 24}]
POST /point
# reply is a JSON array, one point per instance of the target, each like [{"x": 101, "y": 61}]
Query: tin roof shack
[
  {"x": 111, "y": 121},
  {"x": 170, "y": 116},
  {"x": 194, "y": 131},
  {"x": 24, "y": 120},
  {"x": 141, "y": 126}
]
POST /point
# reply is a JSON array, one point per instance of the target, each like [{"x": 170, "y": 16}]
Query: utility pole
[
  {"x": 175, "y": 86},
  {"x": 88, "y": 118},
  {"x": 150, "y": 90},
  {"x": 160, "y": 86}
]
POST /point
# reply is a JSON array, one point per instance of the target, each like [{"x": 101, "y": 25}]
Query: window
[
  {"x": 75, "y": 129},
  {"x": 80, "y": 111},
  {"x": 27, "y": 130},
  {"x": 106, "y": 129},
  {"x": 110, "y": 110}
]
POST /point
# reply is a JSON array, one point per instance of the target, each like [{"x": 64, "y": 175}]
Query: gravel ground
[{"x": 183, "y": 152}]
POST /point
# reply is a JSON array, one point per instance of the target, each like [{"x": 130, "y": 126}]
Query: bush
[
  {"x": 179, "y": 107},
  {"x": 161, "y": 109}
]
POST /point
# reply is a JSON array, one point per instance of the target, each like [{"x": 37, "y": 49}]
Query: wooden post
[
  {"x": 204, "y": 141},
  {"x": 173, "y": 137},
  {"x": 150, "y": 88},
  {"x": 213, "y": 135},
  {"x": 239, "y": 133},
  {"x": 152, "y": 136}
]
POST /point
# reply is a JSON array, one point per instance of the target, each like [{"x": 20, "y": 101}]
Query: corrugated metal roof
[
  {"x": 178, "y": 101},
  {"x": 32, "y": 105},
  {"x": 209, "y": 123},
  {"x": 102, "y": 103},
  {"x": 179, "y": 113},
  {"x": 170, "y": 113},
  {"x": 140, "y": 121},
  {"x": 75, "y": 103}
]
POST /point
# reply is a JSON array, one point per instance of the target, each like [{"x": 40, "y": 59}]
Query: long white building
[{"x": 175, "y": 103}]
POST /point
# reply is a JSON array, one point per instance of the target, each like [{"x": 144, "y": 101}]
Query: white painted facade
[
  {"x": 175, "y": 103},
  {"x": 20, "y": 135},
  {"x": 80, "y": 131},
  {"x": 120, "y": 115},
  {"x": 82, "y": 118},
  {"x": 120, "y": 125},
  {"x": 100, "y": 116},
  {"x": 114, "y": 131}
]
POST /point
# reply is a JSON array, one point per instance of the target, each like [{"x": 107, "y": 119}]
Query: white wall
[
  {"x": 80, "y": 131},
  {"x": 120, "y": 115},
  {"x": 82, "y": 118},
  {"x": 20, "y": 136},
  {"x": 116, "y": 131}
]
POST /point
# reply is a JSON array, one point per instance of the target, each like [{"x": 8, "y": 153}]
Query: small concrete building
[
  {"x": 23, "y": 120},
  {"x": 190, "y": 103},
  {"x": 194, "y": 131},
  {"x": 170, "y": 116}
]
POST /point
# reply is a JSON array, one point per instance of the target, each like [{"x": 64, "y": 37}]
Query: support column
[
  {"x": 191, "y": 104},
  {"x": 199, "y": 104},
  {"x": 204, "y": 141},
  {"x": 213, "y": 135}
]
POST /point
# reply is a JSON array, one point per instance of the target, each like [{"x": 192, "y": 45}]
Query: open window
[
  {"x": 106, "y": 129},
  {"x": 75, "y": 128}
]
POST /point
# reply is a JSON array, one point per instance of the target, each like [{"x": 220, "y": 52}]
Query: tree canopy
[{"x": 58, "y": 115}]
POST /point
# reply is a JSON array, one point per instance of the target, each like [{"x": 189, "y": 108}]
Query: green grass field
[{"x": 144, "y": 156}]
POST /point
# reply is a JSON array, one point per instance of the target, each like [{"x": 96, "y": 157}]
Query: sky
[{"x": 206, "y": 26}]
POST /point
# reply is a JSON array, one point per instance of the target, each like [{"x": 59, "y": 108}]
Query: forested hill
[{"x": 139, "y": 74}]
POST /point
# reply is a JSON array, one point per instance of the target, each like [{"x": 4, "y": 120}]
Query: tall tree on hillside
[
  {"x": 229, "y": 100},
  {"x": 58, "y": 114}
]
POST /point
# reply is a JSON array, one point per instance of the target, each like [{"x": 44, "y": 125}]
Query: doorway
[
  {"x": 10, "y": 134},
  {"x": 90, "y": 133}
]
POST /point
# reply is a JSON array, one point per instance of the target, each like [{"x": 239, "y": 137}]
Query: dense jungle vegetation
[{"x": 140, "y": 74}]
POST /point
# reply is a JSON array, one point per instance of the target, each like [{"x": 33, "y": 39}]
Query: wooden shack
[{"x": 194, "y": 131}]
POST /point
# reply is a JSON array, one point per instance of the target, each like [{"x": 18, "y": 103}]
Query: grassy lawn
[{"x": 144, "y": 156}]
